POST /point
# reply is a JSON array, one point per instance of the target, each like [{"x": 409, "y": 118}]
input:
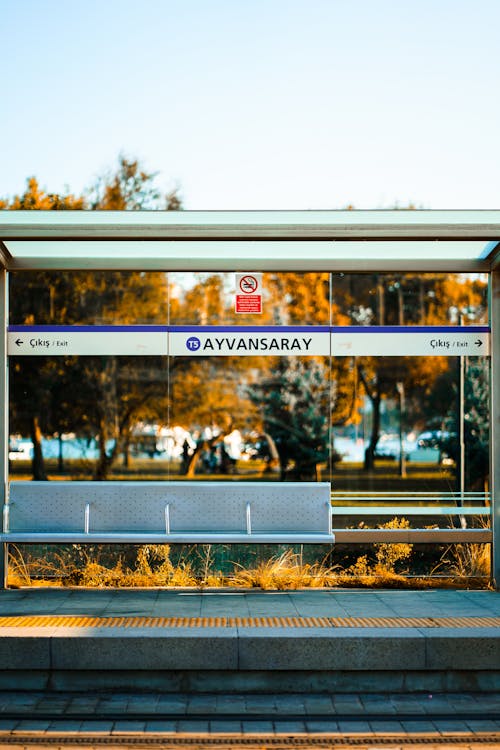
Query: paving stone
[
  {"x": 82, "y": 705},
  {"x": 482, "y": 725},
  {"x": 290, "y": 727},
  {"x": 171, "y": 706},
  {"x": 146, "y": 698},
  {"x": 386, "y": 727},
  {"x": 258, "y": 727},
  {"x": 261, "y": 704},
  {"x": 142, "y": 708},
  {"x": 290, "y": 704},
  {"x": 219, "y": 726},
  {"x": 111, "y": 707},
  {"x": 50, "y": 706},
  {"x": 407, "y": 705},
  {"x": 96, "y": 726},
  {"x": 128, "y": 727},
  {"x": 201, "y": 704},
  {"x": 316, "y": 726},
  {"x": 347, "y": 704},
  {"x": 355, "y": 727},
  {"x": 483, "y": 703},
  {"x": 31, "y": 726},
  {"x": 64, "y": 725},
  {"x": 376, "y": 704},
  {"x": 480, "y": 706},
  {"x": 423, "y": 728},
  {"x": 452, "y": 726},
  {"x": 185, "y": 726},
  {"x": 160, "y": 726},
  {"x": 230, "y": 704},
  {"x": 318, "y": 704},
  {"x": 23, "y": 699},
  {"x": 437, "y": 703}
]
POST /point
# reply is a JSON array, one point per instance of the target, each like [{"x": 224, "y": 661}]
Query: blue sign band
[
  {"x": 245, "y": 329},
  {"x": 410, "y": 329},
  {"x": 88, "y": 329}
]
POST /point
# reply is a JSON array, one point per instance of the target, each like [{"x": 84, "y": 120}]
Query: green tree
[
  {"x": 294, "y": 407},
  {"x": 130, "y": 188},
  {"x": 477, "y": 423},
  {"x": 476, "y": 415}
]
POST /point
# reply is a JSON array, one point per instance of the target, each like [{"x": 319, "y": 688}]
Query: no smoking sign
[{"x": 248, "y": 297}]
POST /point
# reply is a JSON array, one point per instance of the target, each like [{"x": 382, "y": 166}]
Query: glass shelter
[{"x": 356, "y": 348}]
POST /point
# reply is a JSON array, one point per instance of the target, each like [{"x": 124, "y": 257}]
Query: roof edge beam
[{"x": 255, "y": 225}]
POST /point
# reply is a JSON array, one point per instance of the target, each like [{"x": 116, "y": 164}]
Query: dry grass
[
  {"x": 25, "y": 570},
  {"x": 467, "y": 561},
  {"x": 286, "y": 571},
  {"x": 153, "y": 567},
  {"x": 390, "y": 555}
]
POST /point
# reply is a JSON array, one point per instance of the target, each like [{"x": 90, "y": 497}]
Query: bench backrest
[{"x": 192, "y": 506}]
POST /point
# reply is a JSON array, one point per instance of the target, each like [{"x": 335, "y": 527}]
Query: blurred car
[
  {"x": 388, "y": 446},
  {"x": 434, "y": 438}
]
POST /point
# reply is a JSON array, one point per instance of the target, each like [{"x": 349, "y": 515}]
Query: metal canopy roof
[{"x": 260, "y": 240}]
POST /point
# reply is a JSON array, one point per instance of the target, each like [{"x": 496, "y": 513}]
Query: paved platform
[
  {"x": 333, "y": 668},
  {"x": 273, "y": 720},
  {"x": 250, "y": 603},
  {"x": 250, "y": 641}
]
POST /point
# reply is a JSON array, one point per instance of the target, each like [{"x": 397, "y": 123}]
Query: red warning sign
[{"x": 248, "y": 297}]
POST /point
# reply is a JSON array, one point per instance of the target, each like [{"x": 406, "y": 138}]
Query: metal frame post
[
  {"x": 495, "y": 425},
  {"x": 4, "y": 414}
]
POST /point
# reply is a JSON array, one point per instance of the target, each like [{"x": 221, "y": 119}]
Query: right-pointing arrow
[{"x": 478, "y": 342}]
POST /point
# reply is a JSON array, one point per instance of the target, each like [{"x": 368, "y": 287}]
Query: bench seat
[
  {"x": 187, "y": 537},
  {"x": 168, "y": 513}
]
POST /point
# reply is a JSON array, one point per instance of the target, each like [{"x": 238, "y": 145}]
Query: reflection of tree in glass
[
  {"x": 406, "y": 299},
  {"x": 293, "y": 402},
  {"x": 443, "y": 418},
  {"x": 209, "y": 400},
  {"x": 68, "y": 396}
]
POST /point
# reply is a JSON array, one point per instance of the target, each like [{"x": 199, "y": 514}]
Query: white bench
[{"x": 167, "y": 512}]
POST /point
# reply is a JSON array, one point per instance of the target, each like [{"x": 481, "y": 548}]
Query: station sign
[
  {"x": 250, "y": 341},
  {"x": 419, "y": 341},
  {"x": 87, "y": 340}
]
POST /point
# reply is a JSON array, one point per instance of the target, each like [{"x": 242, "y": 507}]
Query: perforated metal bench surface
[{"x": 168, "y": 512}]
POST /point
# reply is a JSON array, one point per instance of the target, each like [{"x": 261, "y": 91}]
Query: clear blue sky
[{"x": 254, "y": 104}]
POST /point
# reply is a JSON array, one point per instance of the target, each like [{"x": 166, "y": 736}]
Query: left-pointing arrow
[{"x": 19, "y": 342}]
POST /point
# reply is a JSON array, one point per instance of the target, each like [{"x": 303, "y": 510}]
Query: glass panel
[
  {"x": 252, "y": 418},
  {"x": 417, "y": 435},
  {"x": 89, "y": 418},
  {"x": 405, "y": 432},
  {"x": 90, "y": 298},
  {"x": 287, "y": 299},
  {"x": 409, "y": 299}
]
